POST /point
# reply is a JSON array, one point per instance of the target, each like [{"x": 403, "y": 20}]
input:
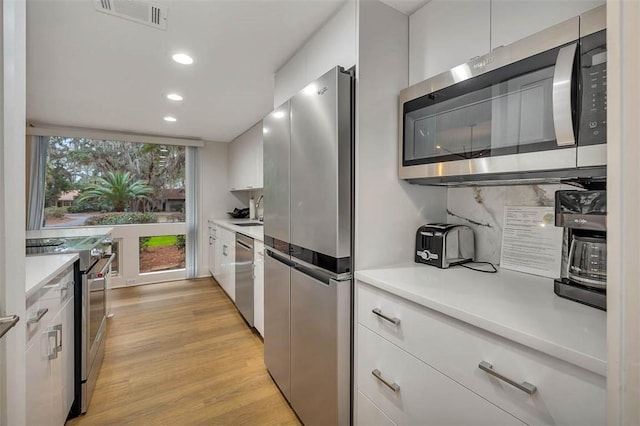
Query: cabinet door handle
[
  {"x": 394, "y": 320},
  {"x": 41, "y": 312},
  {"x": 59, "y": 343},
  {"x": 393, "y": 386},
  {"x": 524, "y": 386},
  {"x": 224, "y": 250},
  {"x": 53, "y": 352}
]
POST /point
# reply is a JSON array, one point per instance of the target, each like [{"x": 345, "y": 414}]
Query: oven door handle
[
  {"x": 103, "y": 265},
  {"x": 108, "y": 264},
  {"x": 562, "y": 96}
]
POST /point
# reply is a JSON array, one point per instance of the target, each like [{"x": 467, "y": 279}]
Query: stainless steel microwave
[{"x": 533, "y": 110}]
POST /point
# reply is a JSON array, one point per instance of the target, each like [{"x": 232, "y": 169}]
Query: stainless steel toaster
[{"x": 444, "y": 245}]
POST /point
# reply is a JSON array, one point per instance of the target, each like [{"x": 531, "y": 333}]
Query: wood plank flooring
[{"x": 179, "y": 353}]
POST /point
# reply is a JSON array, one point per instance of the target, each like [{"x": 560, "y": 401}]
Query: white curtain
[
  {"x": 192, "y": 175},
  {"x": 37, "y": 182}
]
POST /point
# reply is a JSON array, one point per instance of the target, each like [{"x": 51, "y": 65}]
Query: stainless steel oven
[
  {"x": 94, "y": 315},
  {"x": 534, "y": 110}
]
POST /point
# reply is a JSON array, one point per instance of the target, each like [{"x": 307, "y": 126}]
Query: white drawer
[
  {"x": 367, "y": 414},
  {"x": 566, "y": 394},
  {"x": 424, "y": 396},
  {"x": 44, "y": 304}
]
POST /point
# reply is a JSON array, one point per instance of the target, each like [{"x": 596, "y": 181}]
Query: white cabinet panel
[
  {"x": 227, "y": 276},
  {"x": 245, "y": 160},
  {"x": 211, "y": 253},
  {"x": 513, "y": 20},
  {"x": 258, "y": 286},
  {"x": 424, "y": 396},
  {"x": 66, "y": 356},
  {"x": 370, "y": 415},
  {"x": 565, "y": 394},
  {"x": 38, "y": 390},
  {"x": 445, "y": 33}
]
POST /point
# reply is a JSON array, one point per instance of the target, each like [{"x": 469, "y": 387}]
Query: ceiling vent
[{"x": 149, "y": 14}]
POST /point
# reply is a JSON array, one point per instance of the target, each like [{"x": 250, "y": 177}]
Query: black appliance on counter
[
  {"x": 90, "y": 310},
  {"x": 444, "y": 245},
  {"x": 583, "y": 214}
]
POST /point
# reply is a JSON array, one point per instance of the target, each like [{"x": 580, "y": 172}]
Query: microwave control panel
[{"x": 593, "y": 68}]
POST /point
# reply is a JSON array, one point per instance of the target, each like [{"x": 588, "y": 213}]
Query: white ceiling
[
  {"x": 90, "y": 69},
  {"x": 406, "y": 6}
]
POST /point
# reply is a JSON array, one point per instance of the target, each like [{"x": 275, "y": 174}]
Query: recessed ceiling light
[
  {"x": 170, "y": 119},
  {"x": 265, "y": 130},
  {"x": 183, "y": 58},
  {"x": 278, "y": 114},
  {"x": 174, "y": 97}
]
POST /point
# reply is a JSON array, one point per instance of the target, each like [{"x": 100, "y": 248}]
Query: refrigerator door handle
[
  {"x": 278, "y": 257},
  {"x": 323, "y": 278}
]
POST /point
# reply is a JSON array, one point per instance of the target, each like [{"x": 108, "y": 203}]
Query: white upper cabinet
[
  {"x": 245, "y": 160},
  {"x": 445, "y": 33},
  {"x": 513, "y": 20}
]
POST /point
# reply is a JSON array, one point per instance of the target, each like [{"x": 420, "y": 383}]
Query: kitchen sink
[{"x": 249, "y": 224}]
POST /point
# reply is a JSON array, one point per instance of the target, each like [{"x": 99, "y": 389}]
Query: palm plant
[{"x": 118, "y": 189}]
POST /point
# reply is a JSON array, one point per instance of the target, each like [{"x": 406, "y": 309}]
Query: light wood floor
[{"x": 179, "y": 353}]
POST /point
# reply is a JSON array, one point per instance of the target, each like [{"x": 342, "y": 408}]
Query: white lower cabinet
[
  {"x": 414, "y": 335},
  {"x": 212, "y": 254},
  {"x": 422, "y": 395},
  {"x": 225, "y": 259},
  {"x": 50, "y": 352}
]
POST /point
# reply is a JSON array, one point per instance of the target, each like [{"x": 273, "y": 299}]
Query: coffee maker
[{"x": 583, "y": 215}]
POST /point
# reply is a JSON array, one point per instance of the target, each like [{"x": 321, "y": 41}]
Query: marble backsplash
[{"x": 482, "y": 208}]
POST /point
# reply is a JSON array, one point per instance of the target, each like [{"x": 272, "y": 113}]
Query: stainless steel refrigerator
[{"x": 308, "y": 144}]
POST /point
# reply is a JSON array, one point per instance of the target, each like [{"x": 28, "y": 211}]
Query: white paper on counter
[{"x": 531, "y": 243}]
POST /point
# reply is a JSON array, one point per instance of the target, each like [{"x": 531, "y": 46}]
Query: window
[{"x": 104, "y": 182}]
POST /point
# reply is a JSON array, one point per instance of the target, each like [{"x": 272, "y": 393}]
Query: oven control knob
[{"x": 97, "y": 252}]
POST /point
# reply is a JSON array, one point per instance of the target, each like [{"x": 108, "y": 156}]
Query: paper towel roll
[{"x": 252, "y": 208}]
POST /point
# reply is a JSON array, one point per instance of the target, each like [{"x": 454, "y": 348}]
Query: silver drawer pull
[
  {"x": 41, "y": 312},
  {"x": 524, "y": 386},
  {"x": 394, "y": 320},
  {"x": 53, "y": 352},
  {"x": 393, "y": 386},
  {"x": 57, "y": 328}
]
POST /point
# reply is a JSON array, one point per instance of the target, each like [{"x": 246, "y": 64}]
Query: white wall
[
  {"x": 215, "y": 198},
  {"x": 388, "y": 210},
  {"x": 12, "y": 212},
  {"x": 333, "y": 44},
  {"x": 623, "y": 228}
]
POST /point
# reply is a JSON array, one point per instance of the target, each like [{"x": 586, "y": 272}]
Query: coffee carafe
[{"x": 583, "y": 214}]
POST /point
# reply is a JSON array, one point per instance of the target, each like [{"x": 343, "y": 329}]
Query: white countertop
[
  {"x": 41, "y": 269},
  {"x": 255, "y": 232},
  {"x": 70, "y": 232},
  {"x": 517, "y": 306}
]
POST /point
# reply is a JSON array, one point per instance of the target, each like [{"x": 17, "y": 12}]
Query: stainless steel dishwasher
[{"x": 244, "y": 277}]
